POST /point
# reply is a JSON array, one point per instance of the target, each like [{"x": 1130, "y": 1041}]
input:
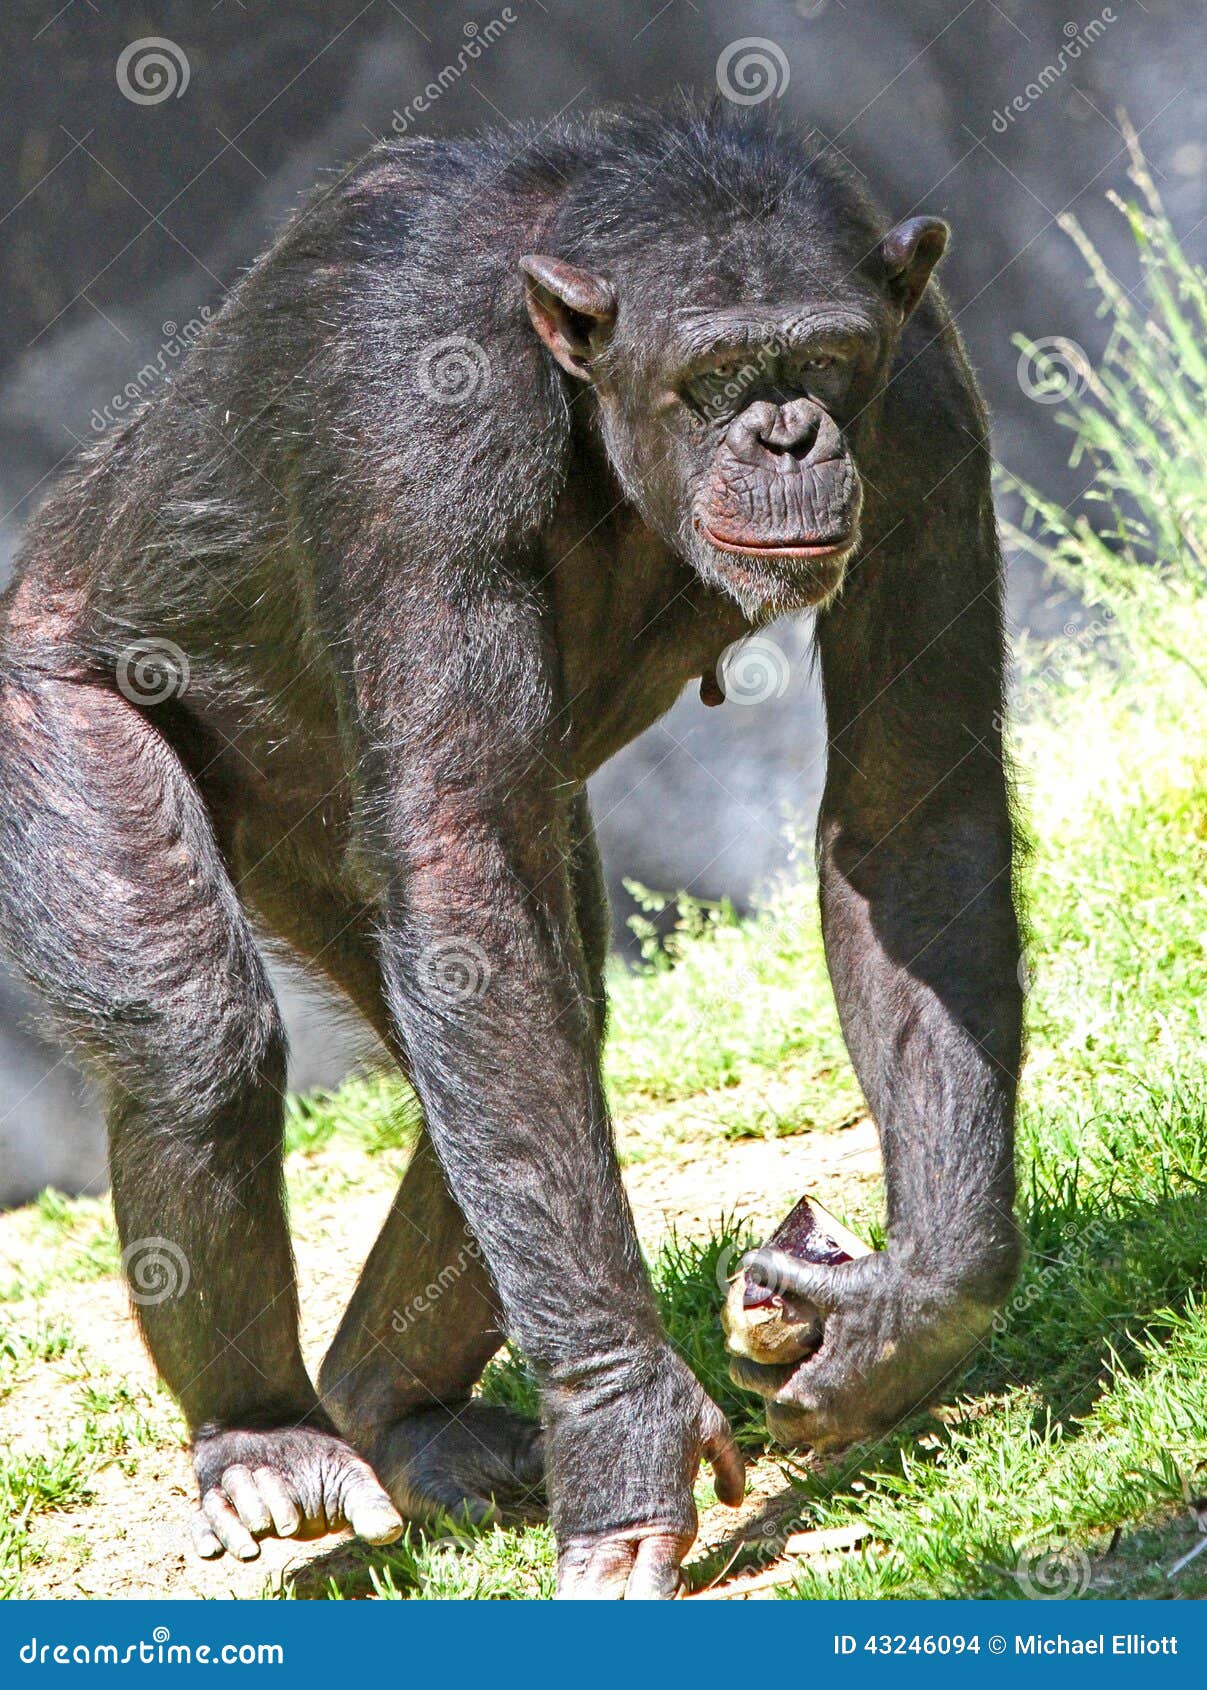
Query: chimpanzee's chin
[{"x": 768, "y": 586}]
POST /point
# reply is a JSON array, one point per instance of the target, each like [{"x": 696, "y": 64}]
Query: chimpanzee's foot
[
  {"x": 478, "y": 1461},
  {"x": 296, "y": 1482}
]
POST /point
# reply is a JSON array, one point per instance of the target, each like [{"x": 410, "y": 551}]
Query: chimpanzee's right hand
[{"x": 623, "y": 1452}]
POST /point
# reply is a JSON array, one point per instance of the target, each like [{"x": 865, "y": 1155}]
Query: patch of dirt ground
[{"x": 125, "y": 1535}]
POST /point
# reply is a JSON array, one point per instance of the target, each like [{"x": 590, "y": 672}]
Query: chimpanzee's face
[
  {"x": 755, "y": 471},
  {"x": 734, "y": 427}
]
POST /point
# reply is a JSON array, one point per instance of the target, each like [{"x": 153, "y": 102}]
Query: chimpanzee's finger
[
  {"x": 728, "y": 1467},
  {"x": 367, "y": 1508},
  {"x": 595, "y": 1570},
  {"x": 205, "y": 1542},
  {"x": 776, "y": 1271},
  {"x": 251, "y": 1507},
  {"x": 286, "y": 1516},
  {"x": 760, "y": 1377},
  {"x": 655, "y": 1576},
  {"x": 229, "y": 1529}
]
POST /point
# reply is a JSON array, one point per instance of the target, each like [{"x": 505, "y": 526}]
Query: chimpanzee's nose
[
  {"x": 778, "y": 436},
  {"x": 793, "y": 429}
]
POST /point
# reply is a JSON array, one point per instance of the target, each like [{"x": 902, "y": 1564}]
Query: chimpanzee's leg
[
  {"x": 116, "y": 904},
  {"x": 422, "y": 1324},
  {"x": 424, "y": 1319},
  {"x": 592, "y": 913}
]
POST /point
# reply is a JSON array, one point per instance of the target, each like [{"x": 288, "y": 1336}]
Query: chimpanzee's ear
[
  {"x": 571, "y": 310},
  {"x": 909, "y": 253}
]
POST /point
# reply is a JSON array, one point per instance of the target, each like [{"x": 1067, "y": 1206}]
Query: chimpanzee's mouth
[{"x": 811, "y": 548}]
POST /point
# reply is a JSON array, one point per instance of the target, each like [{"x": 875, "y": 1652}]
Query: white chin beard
[{"x": 761, "y": 597}]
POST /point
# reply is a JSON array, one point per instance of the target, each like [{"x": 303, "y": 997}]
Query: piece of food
[{"x": 763, "y": 1326}]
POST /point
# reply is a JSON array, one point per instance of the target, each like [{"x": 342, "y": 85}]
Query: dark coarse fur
[{"x": 397, "y": 634}]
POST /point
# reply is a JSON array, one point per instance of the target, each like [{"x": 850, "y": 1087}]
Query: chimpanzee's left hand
[{"x": 895, "y": 1334}]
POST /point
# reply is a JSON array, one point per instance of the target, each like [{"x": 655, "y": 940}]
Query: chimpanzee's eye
[
  {"x": 714, "y": 391},
  {"x": 801, "y": 368}
]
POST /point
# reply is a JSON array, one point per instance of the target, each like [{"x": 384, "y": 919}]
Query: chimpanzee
[{"x": 501, "y": 443}]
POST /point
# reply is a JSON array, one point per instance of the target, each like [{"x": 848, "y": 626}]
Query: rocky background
[{"x": 149, "y": 153}]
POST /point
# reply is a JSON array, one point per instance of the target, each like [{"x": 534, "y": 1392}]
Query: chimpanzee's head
[{"x": 736, "y": 335}]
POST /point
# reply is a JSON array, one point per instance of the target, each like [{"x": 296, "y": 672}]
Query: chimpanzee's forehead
[
  {"x": 803, "y": 256},
  {"x": 706, "y": 301}
]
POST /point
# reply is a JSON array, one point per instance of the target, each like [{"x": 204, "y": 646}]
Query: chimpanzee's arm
[
  {"x": 922, "y": 943},
  {"x": 487, "y": 978}
]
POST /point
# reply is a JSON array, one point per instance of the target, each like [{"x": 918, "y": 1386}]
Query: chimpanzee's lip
[{"x": 806, "y": 549}]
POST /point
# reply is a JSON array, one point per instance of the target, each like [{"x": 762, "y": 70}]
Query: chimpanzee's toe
[{"x": 476, "y": 1461}]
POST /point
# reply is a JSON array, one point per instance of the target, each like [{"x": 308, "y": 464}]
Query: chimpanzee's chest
[{"x": 634, "y": 625}]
